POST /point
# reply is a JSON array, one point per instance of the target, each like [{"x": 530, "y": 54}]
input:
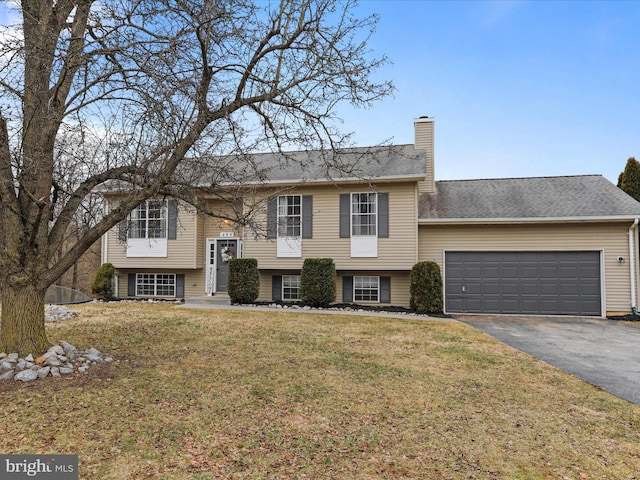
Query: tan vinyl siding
[
  {"x": 394, "y": 253},
  {"x": 399, "y": 285},
  {"x": 214, "y": 226},
  {"x": 400, "y": 294},
  {"x": 181, "y": 252},
  {"x": 200, "y": 243},
  {"x": 610, "y": 238},
  {"x": 194, "y": 284}
]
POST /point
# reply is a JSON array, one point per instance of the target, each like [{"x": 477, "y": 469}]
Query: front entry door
[{"x": 219, "y": 252}]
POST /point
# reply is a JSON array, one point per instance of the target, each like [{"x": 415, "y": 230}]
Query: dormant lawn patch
[{"x": 207, "y": 394}]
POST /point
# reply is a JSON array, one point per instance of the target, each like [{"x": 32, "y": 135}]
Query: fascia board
[
  {"x": 306, "y": 181},
  {"x": 496, "y": 221}
]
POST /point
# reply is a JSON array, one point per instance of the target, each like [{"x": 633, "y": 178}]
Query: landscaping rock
[
  {"x": 26, "y": 375},
  {"x": 63, "y": 359},
  {"x": 56, "y": 313}
]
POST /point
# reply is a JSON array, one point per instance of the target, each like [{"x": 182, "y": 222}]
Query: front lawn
[{"x": 232, "y": 394}]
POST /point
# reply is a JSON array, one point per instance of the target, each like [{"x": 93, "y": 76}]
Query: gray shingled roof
[
  {"x": 585, "y": 196},
  {"x": 388, "y": 163},
  {"x": 382, "y": 162}
]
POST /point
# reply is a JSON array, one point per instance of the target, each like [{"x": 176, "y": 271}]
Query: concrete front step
[{"x": 217, "y": 299}]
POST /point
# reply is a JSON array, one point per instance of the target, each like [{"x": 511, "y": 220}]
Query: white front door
[{"x": 219, "y": 252}]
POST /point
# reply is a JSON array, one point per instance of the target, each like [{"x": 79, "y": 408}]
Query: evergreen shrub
[
  {"x": 243, "y": 285},
  {"x": 102, "y": 284},
  {"x": 426, "y": 288},
  {"x": 318, "y": 282}
]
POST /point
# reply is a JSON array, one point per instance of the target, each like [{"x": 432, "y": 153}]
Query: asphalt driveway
[{"x": 602, "y": 352}]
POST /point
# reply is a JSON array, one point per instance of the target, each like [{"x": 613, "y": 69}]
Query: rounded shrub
[
  {"x": 102, "y": 286},
  {"x": 243, "y": 285},
  {"x": 318, "y": 282},
  {"x": 426, "y": 288}
]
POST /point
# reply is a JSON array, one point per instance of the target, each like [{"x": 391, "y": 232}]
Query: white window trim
[
  {"x": 288, "y": 246},
  {"x": 288, "y": 286},
  {"x": 164, "y": 216},
  {"x": 353, "y": 214},
  {"x": 149, "y": 247},
  {"x": 377, "y": 288},
  {"x": 363, "y": 246},
  {"x": 155, "y": 285}
]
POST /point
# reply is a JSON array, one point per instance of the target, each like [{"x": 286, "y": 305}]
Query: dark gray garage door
[{"x": 549, "y": 283}]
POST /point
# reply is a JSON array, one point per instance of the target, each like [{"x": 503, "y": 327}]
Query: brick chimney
[{"x": 423, "y": 128}]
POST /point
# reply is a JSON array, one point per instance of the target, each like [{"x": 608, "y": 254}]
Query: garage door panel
[
  {"x": 509, "y": 271},
  {"x": 548, "y": 271},
  {"x": 491, "y": 288},
  {"x": 590, "y": 289},
  {"x": 523, "y": 282},
  {"x": 473, "y": 287},
  {"x": 491, "y": 305},
  {"x": 550, "y": 304},
  {"x": 529, "y": 288},
  {"x": 548, "y": 288}
]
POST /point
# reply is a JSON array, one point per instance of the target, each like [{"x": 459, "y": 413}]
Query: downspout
[{"x": 632, "y": 265}]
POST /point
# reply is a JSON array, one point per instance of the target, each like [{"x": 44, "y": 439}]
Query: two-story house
[{"x": 547, "y": 245}]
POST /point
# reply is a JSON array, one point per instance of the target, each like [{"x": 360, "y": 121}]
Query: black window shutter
[
  {"x": 347, "y": 289},
  {"x": 180, "y": 285},
  {"x": 307, "y": 216},
  {"x": 131, "y": 291},
  {"x": 345, "y": 215},
  {"x": 385, "y": 289},
  {"x": 172, "y": 230},
  {"x": 383, "y": 215},
  {"x": 272, "y": 217},
  {"x": 122, "y": 231},
  {"x": 276, "y": 288}
]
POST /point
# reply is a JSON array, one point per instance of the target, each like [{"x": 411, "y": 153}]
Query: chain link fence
[{"x": 57, "y": 295}]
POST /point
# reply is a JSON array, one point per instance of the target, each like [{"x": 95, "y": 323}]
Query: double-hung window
[
  {"x": 289, "y": 220},
  {"x": 290, "y": 287},
  {"x": 366, "y": 289},
  {"x": 289, "y": 224},
  {"x": 155, "y": 285},
  {"x": 149, "y": 220},
  {"x": 289, "y": 216},
  {"x": 364, "y": 217},
  {"x": 149, "y": 226}
]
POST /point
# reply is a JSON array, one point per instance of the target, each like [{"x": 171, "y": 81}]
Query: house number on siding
[{"x": 226, "y": 234}]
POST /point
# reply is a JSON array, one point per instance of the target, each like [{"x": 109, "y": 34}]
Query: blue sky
[{"x": 517, "y": 88}]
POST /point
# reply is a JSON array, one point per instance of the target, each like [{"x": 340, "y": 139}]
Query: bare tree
[{"x": 156, "y": 82}]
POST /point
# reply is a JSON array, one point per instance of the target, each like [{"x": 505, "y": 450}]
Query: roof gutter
[
  {"x": 632, "y": 265},
  {"x": 512, "y": 220}
]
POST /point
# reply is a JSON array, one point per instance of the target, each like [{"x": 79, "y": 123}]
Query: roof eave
[
  {"x": 524, "y": 220},
  {"x": 324, "y": 181}
]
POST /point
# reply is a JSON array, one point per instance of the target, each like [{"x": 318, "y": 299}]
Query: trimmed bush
[
  {"x": 102, "y": 286},
  {"x": 243, "y": 285},
  {"x": 426, "y": 288},
  {"x": 318, "y": 282}
]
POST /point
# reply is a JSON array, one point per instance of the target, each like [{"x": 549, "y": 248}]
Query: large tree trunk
[{"x": 23, "y": 328}]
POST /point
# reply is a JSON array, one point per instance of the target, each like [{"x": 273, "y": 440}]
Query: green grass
[{"x": 219, "y": 394}]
